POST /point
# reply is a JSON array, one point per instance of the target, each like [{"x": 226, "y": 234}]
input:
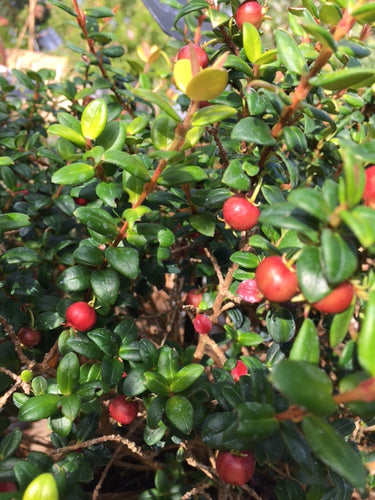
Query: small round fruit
[
  {"x": 29, "y": 337},
  {"x": 238, "y": 370},
  {"x": 336, "y": 301},
  {"x": 80, "y": 316},
  {"x": 123, "y": 410},
  {"x": 184, "y": 53},
  {"x": 193, "y": 297},
  {"x": 235, "y": 468},
  {"x": 80, "y": 201},
  {"x": 43, "y": 487},
  {"x": 249, "y": 12},
  {"x": 239, "y": 213},
  {"x": 369, "y": 191},
  {"x": 275, "y": 280},
  {"x": 249, "y": 292},
  {"x": 202, "y": 324}
]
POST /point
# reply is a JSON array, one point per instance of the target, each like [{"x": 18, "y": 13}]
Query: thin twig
[{"x": 105, "y": 472}]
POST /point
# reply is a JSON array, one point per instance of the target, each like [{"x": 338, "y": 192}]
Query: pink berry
[
  {"x": 80, "y": 316},
  {"x": 202, "y": 324}
]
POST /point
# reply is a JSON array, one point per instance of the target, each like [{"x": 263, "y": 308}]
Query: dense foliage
[{"x": 126, "y": 297}]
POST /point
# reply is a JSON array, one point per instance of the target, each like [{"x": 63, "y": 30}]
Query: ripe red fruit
[
  {"x": 239, "y": 213},
  {"x": 29, "y": 337},
  {"x": 7, "y": 486},
  {"x": 122, "y": 410},
  {"x": 202, "y": 324},
  {"x": 184, "y": 53},
  {"x": 249, "y": 292},
  {"x": 369, "y": 191},
  {"x": 275, "y": 280},
  {"x": 238, "y": 370},
  {"x": 249, "y": 12},
  {"x": 80, "y": 316},
  {"x": 193, "y": 297},
  {"x": 235, "y": 468},
  {"x": 336, "y": 301},
  {"x": 81, "y": 201}
]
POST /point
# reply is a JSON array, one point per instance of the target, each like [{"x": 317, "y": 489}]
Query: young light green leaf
[{"x": 289, "y": 54}]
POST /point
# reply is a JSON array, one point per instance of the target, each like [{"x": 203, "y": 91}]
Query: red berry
[
  {"x": 193, "y": 298},
  {"x": 202, "y": 324},
  {"x": 336, "y": 301},
  {"x": 81, "y": 201},
  {"x": 369, "y": 191},
  {"x": 184, "y": 53},
  {"x": 238, "y": 370},
  {"x": 235, "y": 468},
  {"x": 29, "y": 337},
  {"x": 7, "y": 486},
  {"x": 122, "y": 410},
  {"x": 249, "y": 12},
  {"x": 80, "y": 316},
  {"x": 275, "y": 280},
  {"x": 239, "y": 213},
  {"x": 249, "y": 292}
]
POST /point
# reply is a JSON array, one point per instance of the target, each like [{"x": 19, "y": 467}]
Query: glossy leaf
[
  {"x": 291, "y": 378},
  {"x": 180, "y": 412},
  {"x": 98, "y": 220},
  {"x": 113, "y": 136},
  {"x": 74, "y": 279},
  {"x": 334, "y": 451},
  {"x": 125, "y": 260},
  {"x": 177, "y": 175},
  {"x": 235, "y": 177},
  {"x": 207, "y": 85},
  {"x": 94, "y": 118},
  {"x": 343, "y": 78},
  {"x": 38, "y": 407},
  {"x": 68, "y": 373},
  {"x": 75, "y": 173},
  {"x": 252, "y": 43},
  {"x": 12, "y": 221},
  {"x": 361, "y": 221},
  {"x": 162, "y": 132},
  {"x": 338, "y": 259},
  {"x": 131, "y": 163},
  {"x": 289, "y": 53},
  {"x": 251, "y": 129},
  {"x": 70, "y": 406},
  {"x": 280, "y": 324},
  {"x": 67, "y": 133},
  {"x": 204, "y": 223},
  {"x": 311, "y": 280},
  {"x": 321, "y": 34},
  {"x": 167, "y": 362},
  {"x": 340, "y": 325},
  {"x": 160, "y": 101},
  {"x": 306, "y": 346},
  {"x": 109, "y": 193},
  {"x": 107, "y": 341},
  {"x": 366, "y": 341},
  {"x": 10, "y": 443},
  {"x": 186, "y": 377},
  {"x": 156, "y": 383},
  {"x": 239, "y": 64},
  {"x": 311, "y": 201},
  {"x": 212, "y": 114},
  {"x": 106, "y": 285}
]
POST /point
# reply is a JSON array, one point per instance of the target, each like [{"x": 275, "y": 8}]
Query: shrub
[{"x": 154, "y": 155}]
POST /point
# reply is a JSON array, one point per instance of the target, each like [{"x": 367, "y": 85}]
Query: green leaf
[
  {"x": 98, "y": 220},
  {"x": 252, "y": 43},
  {"x": 311, "y": 280},
  {"x": 280, "y": 324},
  {"x": 43, "y": 487},
  {"x": 131, "y": 163},
  {"x": 239, "y": 64},
  {"x": 289, "y": 53},
  {"x": 157, "y": 99},
  {"x": 94, "y": 119},
  {"x": 106, "y": 285},
  {"x": 134, "y": 382},
  {"x": 255, "y": 420},
  {"x": 292, "y": 377},
  {"x": 70, "y": 406},
  {"x": 321, "y": 34},
  {"x": 361, "y": 221},
  {"x": 6, "y": 160},
  {"x": 306, "y": 346},
  {"x": 235, "y": 177},
  {"x": 109, "y": 193},
  {"x": 250, "y": 339},
  {"x": 67, "y": 133},
  {"x": 361, "y": 408},
  {"x": 38, "y": 407},
  {"x": 343, "y": 78},
  {"x": 331, "y": 448},
  {"x": 21, "y": 254},
  {"x": 340, "y": 325},
  {"x": 366, "y": 341},
  {"x": 204, "y": 223},
  {"x": 311, "y": 201},
  {"x": 354, "y": 177},
  {"x": 246, "y": 260},
  {"x": 112, "y": 370},
  {"x": 365, "y": 13},
  {"x": 212, "y": 114},
  {"x": 113, "y": 136},
  {"x": 295, "y": 139},
  {"x": 156, "y": 383},
  {"x": 12, "y": 221},
  {"x": 338, "y": 259},
  {"x": 74, "y": 279},
  {"x": 10, "y": 443},
  {"x": 177, "y": 175},
  {"x": 81, "y": 344},
  {"x": 68, "y": 373},
  {"x": 180, "y": 412},
  {"x": 163, "y": 132},
  {"x": 61, "y": 426},
  {"x": 75, "y": 173},
  {"x": 186, "y": 377},
  {"x": 252, "y": 129},
  {"x": 124, "y": 259},
  {"x": 106, "y": 340},
  {"x": 167, "y": 362},
  {"x": 99, "y": 12}
]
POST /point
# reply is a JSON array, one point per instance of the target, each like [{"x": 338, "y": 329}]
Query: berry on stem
[
  {"x": 80, "y": 316},
  {"x": 249, "y": 12},
  {"x": 239, "y": 213},
  {"x": 275, "y": 280},
  {"x": 202, "y": 57},
  {"x": 202, "y": 324},
  {"x": 238, "y": 370},
  {"x": 193, "y": 297},
  {"x": 337, "y": 301},
  {"x": 235, "y": 468},
  {"x": 123, "y": 410},
  {"x": 29, "y": 337}
]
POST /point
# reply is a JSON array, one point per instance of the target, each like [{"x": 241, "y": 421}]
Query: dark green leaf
[
  {"x": 68, "y": 373},
  {"x": 204, "y": 223},
  {"x": 176, "y": 175},
  {"x": 186, "y": 377},
  {"x": 180, "y": 412},
  {"x": 361, "y": 221},
  {"x": 235, "y": 177},
  {"x": 106, "y": 285},
  {"x": 306, "y": 346},
  {"x": 289, "y": 53},
  {"x": 10, "y": 443},
  {"x": 38, "y": 407},
  {"x": 98, "y": 220},
  {"x": 311, "y": 280},
  {"x": 252, "y": 129},
  {"x": 280, "y": 324}
]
